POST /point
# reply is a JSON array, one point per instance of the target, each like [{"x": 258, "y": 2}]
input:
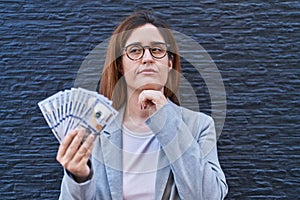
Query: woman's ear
[
  {"x": 120, "y": 69},
  {"x": 119, "y": 66},
  {"x": 170, "y": 61}
]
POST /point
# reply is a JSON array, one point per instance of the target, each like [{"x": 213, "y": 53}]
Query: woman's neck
[{"x": 135, "y": 117}]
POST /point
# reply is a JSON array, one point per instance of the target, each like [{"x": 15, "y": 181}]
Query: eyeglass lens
[{"x": 136, "y": 51}]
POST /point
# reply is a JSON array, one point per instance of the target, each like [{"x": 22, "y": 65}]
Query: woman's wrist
[{"x": 79, "y": 179}]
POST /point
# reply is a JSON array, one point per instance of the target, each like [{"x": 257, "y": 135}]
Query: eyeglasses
[{"x": 136, "y": 51}]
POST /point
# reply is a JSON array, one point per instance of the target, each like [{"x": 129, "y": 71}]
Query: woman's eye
[
  {"x": 156, "y": 49},
  {"x": 135, "y": 50}
]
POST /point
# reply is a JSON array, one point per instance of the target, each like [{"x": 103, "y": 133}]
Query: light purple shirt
[{"x": 140, "y": 159}]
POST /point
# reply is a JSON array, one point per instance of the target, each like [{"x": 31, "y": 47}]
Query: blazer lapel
[
  {"x": 111, "y": 142},
  {"x": 162, "y": 175}
]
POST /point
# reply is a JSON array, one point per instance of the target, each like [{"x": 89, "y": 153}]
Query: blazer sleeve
[
  {"x": 71, "y": 190},
  {"x": 188, "y": 139}
]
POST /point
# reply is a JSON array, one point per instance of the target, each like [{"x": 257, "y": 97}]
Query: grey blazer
[{"x": 188, "y": 162}]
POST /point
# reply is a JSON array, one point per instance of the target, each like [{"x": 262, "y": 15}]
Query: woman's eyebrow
[
  {"x": 134, "y": 43},
  {"x": 151, "y": 43}
]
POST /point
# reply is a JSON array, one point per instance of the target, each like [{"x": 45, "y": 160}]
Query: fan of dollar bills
[{"x": 77, "y": 107}]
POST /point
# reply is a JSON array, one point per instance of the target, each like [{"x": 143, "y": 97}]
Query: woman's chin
[{"x": 150, "y": 86}]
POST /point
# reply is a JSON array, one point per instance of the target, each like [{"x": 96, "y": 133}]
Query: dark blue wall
[{"x": 254, "y": 44}]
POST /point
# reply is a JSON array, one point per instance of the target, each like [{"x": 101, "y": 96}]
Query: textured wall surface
[{"x": 255, "y": 46}]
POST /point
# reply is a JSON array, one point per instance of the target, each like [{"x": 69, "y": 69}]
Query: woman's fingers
[
  {"x": 74, "y": 146},
  {"x": 63, "y": 147},
  {"x": 78, "y": 165},
  {"x": 85, "y": 149},
  {"x": 149, "y": 98},
  {"x": 73, "y": 153}
]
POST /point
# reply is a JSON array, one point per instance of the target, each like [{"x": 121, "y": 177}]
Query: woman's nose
[{"x": 147, "y": 57}]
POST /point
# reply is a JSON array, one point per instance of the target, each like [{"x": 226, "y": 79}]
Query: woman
[{"x": 154, "y": 149}]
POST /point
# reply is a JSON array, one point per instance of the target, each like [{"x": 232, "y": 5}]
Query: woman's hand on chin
[{"x": 152, "y": 99}]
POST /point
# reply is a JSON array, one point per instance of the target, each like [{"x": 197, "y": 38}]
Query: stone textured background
[{"x": 255, "y": 45}]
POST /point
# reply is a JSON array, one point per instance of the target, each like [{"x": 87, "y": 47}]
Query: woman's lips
[{"x": 147, "y": 71}]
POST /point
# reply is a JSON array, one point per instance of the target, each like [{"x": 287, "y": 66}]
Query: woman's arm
[
  {"x": 189, "y": 142},
  {"x": 74, "y": 156},
  {"x": 71, "y": 189}
]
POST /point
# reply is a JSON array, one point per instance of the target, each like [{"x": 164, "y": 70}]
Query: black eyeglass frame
[{"x": 146, "y": 47}]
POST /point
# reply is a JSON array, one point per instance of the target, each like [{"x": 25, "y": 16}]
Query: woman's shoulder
[
  {"x": 198, "y": 123},
  {"x": 192, "y": 117},
  {"x": 193, "y": 113},
  {"x": 190, "y": 114}
]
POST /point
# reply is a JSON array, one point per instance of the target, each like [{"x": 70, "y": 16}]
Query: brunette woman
[{"x": 154, "y": 149}]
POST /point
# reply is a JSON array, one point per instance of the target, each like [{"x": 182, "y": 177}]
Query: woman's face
[{"x": 146, "y": 73}]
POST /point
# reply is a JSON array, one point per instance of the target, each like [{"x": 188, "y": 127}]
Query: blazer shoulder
[{"x": 190, "y": 116}]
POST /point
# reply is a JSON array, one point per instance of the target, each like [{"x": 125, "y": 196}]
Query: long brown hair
[{"x": 112, "y": 83}]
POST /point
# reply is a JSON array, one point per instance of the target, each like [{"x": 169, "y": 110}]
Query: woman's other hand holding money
[{"x": 73, "y": 155}]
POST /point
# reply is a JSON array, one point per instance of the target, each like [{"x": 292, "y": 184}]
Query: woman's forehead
[{"x": 145, "y": 35}]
